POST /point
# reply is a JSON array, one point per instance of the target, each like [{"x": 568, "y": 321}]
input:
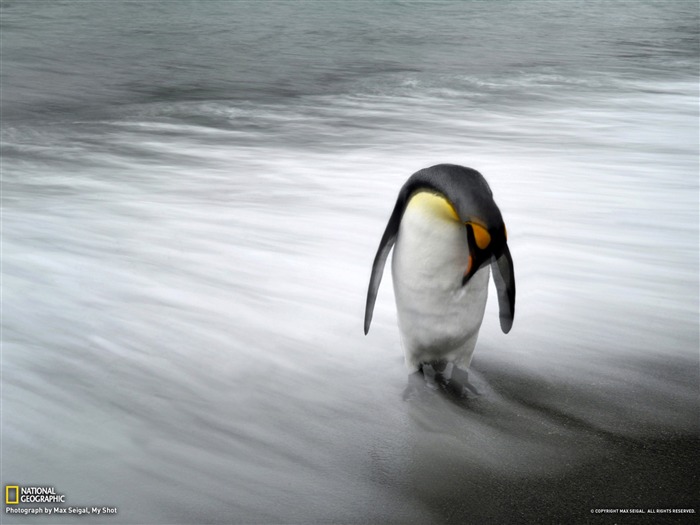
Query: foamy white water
[{"x": 184, "y": 273}]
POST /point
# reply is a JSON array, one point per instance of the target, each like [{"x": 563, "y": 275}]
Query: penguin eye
[{"x": 481, "y": 236}]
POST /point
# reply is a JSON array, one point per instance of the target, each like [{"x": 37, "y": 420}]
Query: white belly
[{"x": 438, "y": 317}]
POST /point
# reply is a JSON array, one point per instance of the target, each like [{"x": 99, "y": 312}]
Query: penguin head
[
  {"x": 484, "y": 241},
  {"x": 470, "y": 200},
  {"x": 485, "y": 244}
]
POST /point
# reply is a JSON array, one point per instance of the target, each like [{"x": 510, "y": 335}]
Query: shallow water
[{"x": 192, "y": 198}]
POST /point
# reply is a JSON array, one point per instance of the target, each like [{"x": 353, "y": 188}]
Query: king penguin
[{"x": 447, "y": 234}]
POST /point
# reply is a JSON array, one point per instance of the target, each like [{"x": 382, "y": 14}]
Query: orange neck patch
[{"x": 481, "y": 236}]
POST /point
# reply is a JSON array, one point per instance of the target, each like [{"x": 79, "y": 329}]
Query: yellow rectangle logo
[{"x": 9, "y": 501}]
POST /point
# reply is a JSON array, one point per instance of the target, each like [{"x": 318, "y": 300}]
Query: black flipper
[
  {"x": 385, "y": 245},
  {"x": 504, "y": 277}
]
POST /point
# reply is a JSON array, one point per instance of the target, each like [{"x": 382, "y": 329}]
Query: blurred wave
[{"x": 192, "y": 197}]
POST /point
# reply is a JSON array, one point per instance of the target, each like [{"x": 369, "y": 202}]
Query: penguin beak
[{"x": 478, "y": 240}]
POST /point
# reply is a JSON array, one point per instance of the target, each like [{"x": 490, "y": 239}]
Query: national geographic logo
[
  {"x": 24, "y": 500},
  {"x": 11, "y": 494},
  {"x": 14, "y": 495}
]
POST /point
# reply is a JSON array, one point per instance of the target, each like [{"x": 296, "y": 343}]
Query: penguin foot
[
  {"x": 460, "y": 385},
  {"x": 425, "y": 376},
  {"x": 414, "y": 386},
  {"x": 433, "y": 374},
  {"x": 446, "y": 377}
]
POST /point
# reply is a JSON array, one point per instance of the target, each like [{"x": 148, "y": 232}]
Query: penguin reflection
[{"x": 448, "y": 233}]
